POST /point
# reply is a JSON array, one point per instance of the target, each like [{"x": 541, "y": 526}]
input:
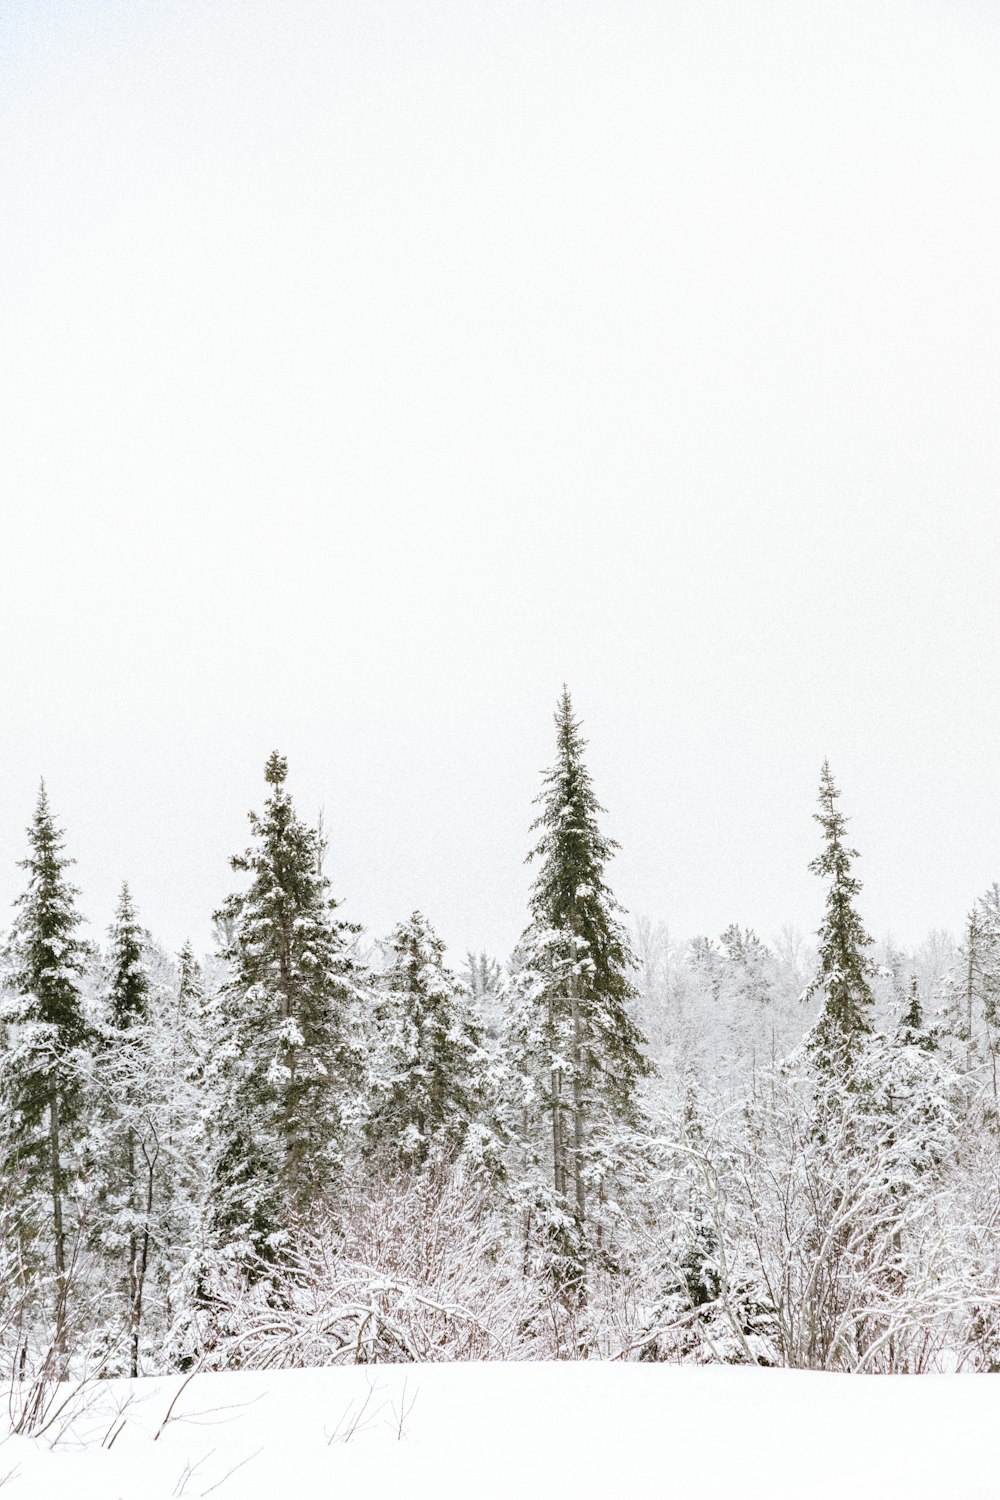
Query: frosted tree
[
  {"x": 984, "y": 977},
  {"x": 127, "y": 1144},
  {"x": 655, "y": 979},
  {"x": 189, "y": 1016},
  {"x": 707, "y": 962},
  {"x": 844, "y": 970},
  {"x": 912, "y": 1030},
  {"x": 703, "y": 1308},
  {"x": 483, "y": 978},
  {"x": 290, "y": 1058},
  {"x": 46, "y": 1067},
  {"x": 750, "y": 964},
  {"x": 892, "y": 990},
  {"x": 728, "y": 992},
  {"x": 432, "y": 1084},
  {"x": 840, "y": 1230},
  {"x": 578, "y": 1048},
  {"x": 749, "y": 989},
  {"x": 188, "y": 1020}
]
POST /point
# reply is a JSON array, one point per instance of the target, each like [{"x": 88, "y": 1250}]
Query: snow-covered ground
[{"x": 461, "y": 1432}]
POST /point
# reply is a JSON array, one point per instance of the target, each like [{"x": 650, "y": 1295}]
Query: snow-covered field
[{"x": 460, "y": 1432}]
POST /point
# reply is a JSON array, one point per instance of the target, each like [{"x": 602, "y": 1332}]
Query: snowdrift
[{"x": 474, "y": 1431}]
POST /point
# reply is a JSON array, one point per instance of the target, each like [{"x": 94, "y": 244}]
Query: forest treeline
[{"x": 310, "y": 1147}]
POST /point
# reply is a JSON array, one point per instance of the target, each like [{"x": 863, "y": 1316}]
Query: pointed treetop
[
  {"x": 276, "y": 769},
  {"x": 128, "y": 992},
  {"x": 835, "y": 858},
  {"x": 48, "y": 956},
  {"x": 188, "y": 973},
  {"x": 46, "y": 840},
  {"x": 913, "y": 1030},
  {"x": 568, "y": 820},
  {"x": 43, "y": 813},
  {"x": 829, "y": 791},
  {"x": 126, "y": 915},
  {"x": 570, "y": 741},
  {"x": 913, "y": 1020}
]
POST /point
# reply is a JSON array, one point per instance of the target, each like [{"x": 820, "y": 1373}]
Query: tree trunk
[
  {"x": 58, "y": 1230},
  {"x": 558, "y": 1134},
  {"x": 558, "y": 1148},
  {"x": 143, "y": 1263},
  {"x": 970, "y": 990},
  {"x": 579, "y": 1124},
  {"x": 133, "y": 1257},
  {"x": 579, "y": 1113}
]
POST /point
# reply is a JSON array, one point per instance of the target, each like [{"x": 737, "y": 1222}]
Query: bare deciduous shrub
[{"x": 420, "y": 1270}]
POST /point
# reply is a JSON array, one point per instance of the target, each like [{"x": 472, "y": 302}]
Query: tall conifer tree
[
  {"x": 291, "y": 1059},
  {"x": 845, "y": 969},
  {"x": 46, "y": 1068},
  {"x": 577, "y": 1038},
  {"x": 127, "y": 1143}
]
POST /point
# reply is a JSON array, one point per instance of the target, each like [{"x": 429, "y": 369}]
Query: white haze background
[{"x": 368, "y": 370}]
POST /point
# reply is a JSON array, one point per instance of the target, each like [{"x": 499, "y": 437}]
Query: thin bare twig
[
  {"x": 399, "y": 1418},
  {"x": 231, "y": 1472}
]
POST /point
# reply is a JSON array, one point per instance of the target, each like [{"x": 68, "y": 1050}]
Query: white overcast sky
[{"x": 369, "y": 368}]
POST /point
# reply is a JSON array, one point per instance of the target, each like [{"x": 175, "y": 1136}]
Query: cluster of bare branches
[
  {"x": 857, "y": 1232},
  {"x": 420, "y": 1269}
]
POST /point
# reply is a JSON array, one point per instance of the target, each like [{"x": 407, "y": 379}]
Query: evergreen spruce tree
[
  {"x": 579, "y": 1048},
  {"x": 290, "y": 1058},
  {"x": 845, "y": 970},
  {"x": 193, "y": 1023},
  {"x": 45, "y": 1071},
  {"x": 433, "y": 1084},
  {"x": 127, "y": 1147},
  {"x": 128, "y": 989},
  {"x": 911, "y": 1031},
  {"x": 189, "y": 1020},
  {"x": 688, "y": 1268}
]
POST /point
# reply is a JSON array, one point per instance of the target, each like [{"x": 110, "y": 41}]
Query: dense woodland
[{"x": 313, "y": 1147}]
